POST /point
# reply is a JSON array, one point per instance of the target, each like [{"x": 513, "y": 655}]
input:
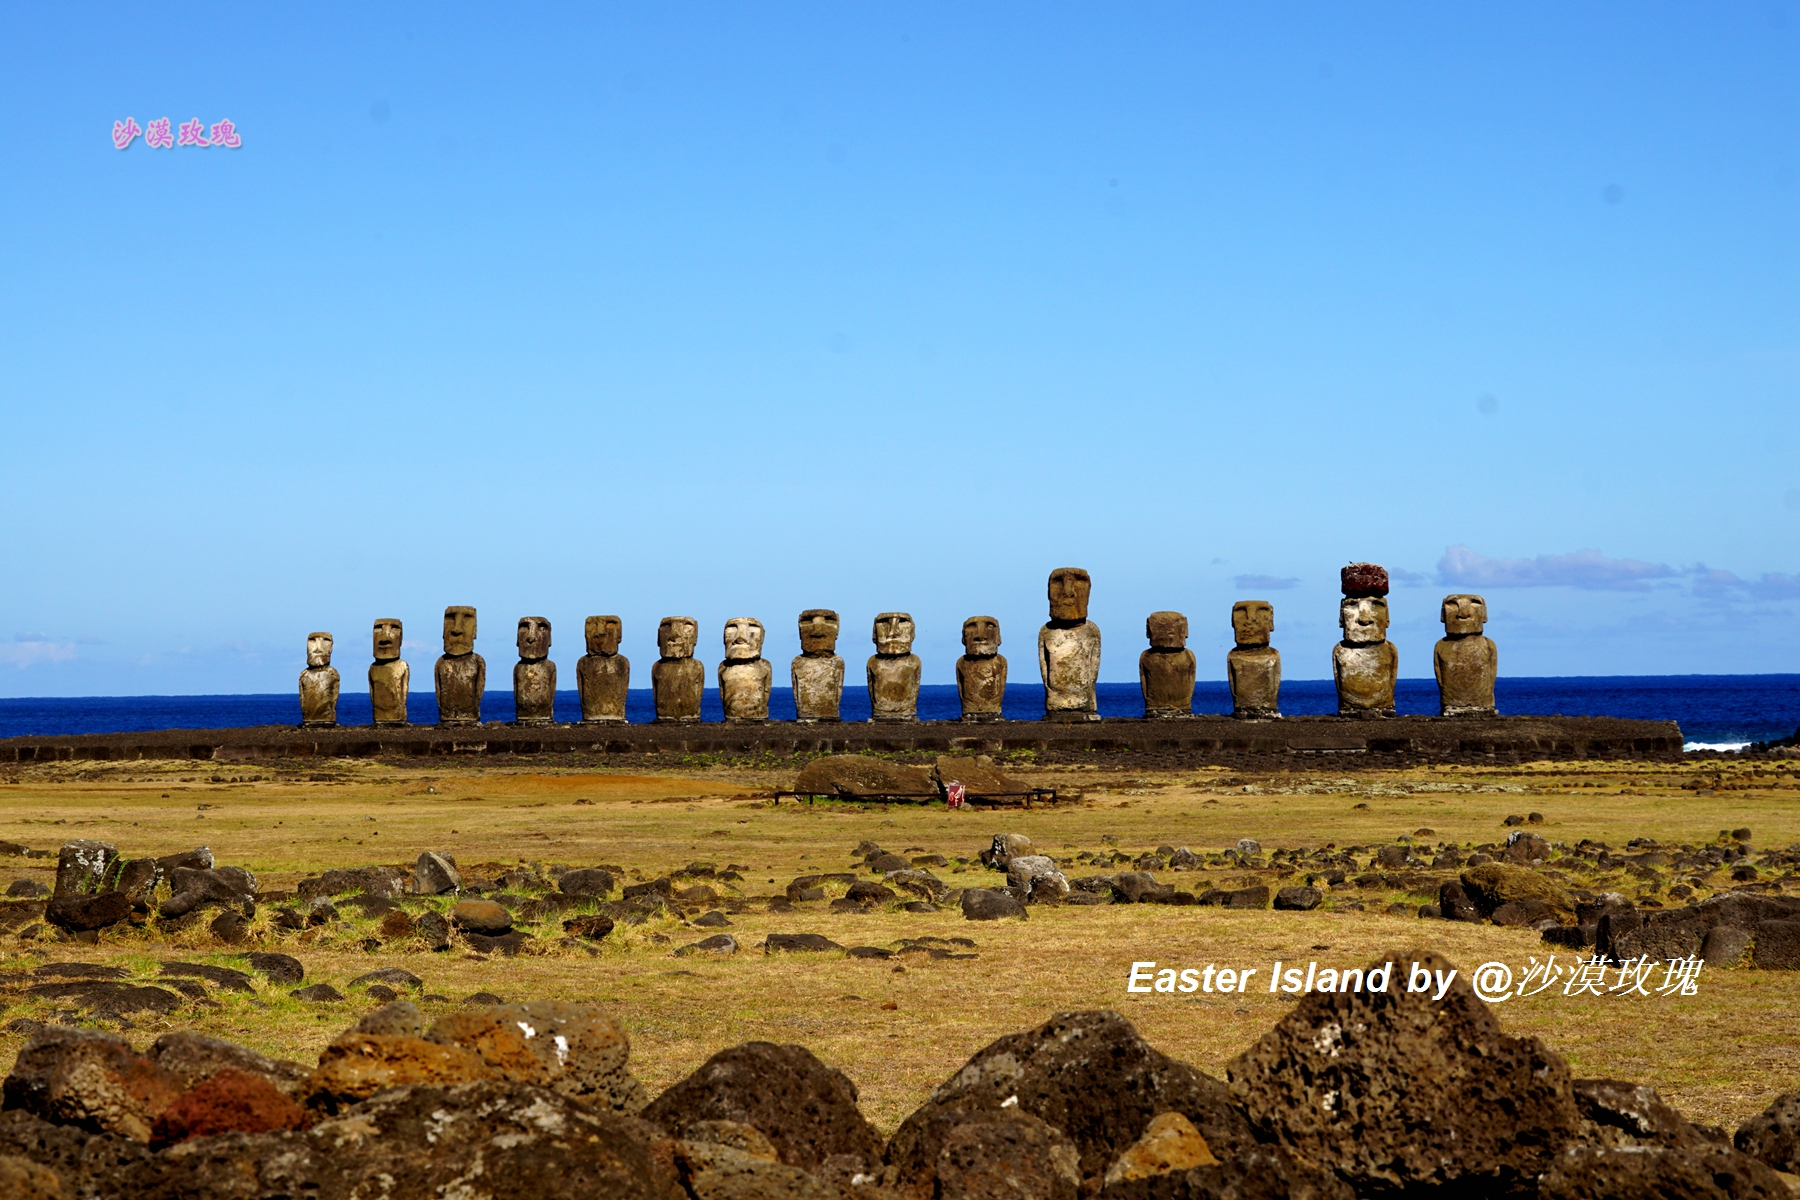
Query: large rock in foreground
[
  {"x": 806, "y": 1109},
  {"x": 91, "y": 1080},
  {"x": 1394, "y": 1090},
  {"x": 1087, "y": 1074}
]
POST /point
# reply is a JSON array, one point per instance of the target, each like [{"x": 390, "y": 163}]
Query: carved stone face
[
  {"x": 981, "y": 637},
  {"x": 318, "y": 649},
  {"x": 534, "y": 638},
  {"x": 1069, "y": 594},
  {"x": 818, "y": 631},
  {"x": 1166, "y": 630},
  {"x": 459, "y": 629},
  {"x": 894, "y": 633},
  {"x": 387, "y": 639},
  {"x": 1364, "y": 619},
  {"x": 743, "y": 639},
  {"x": 676, "y": 637},
  {"x": 603, "y": 635},
  {"x": 1252, "y": 621},
  {"x": 1464, "y": 614}
]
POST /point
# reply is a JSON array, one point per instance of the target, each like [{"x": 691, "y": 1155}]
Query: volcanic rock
[{"x": 91, "y": 1079}]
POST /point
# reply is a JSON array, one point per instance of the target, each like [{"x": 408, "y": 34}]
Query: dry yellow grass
[{"x": 1719, "y": 1056}]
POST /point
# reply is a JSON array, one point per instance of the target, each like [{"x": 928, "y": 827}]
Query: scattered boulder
[
  {"x": 1169, "y": 1143},
  {"x": 1250, "y": 897},
  {"x": 1005, "y": 847},
  {"x": 1698, "y": 1173},
  {"x": 317, "y": 993},
  {"x": 1139, "y": 887},
  {"x": 1522, "y": 912},
  {"x": 1492, "y": 884},
  {"x": 721, "y": 944},
  {"x": 1436, "y": 1094},
  {"x": 396, "y": 926},
  {"x": 572, "y": 1049},
  {"x": 1298, "y": 899},
  {"x": 192, "y": 887},
  {"x": 1615, "y": 1113},
  {"x": 90, "y": 1079},
  {"x": 920, "y": 883},
  {"x": 593, "y": 928},
  {"x": 1088, "y": 1074},
  {"x": 83, "y": 913},
  {"x": 357, "y": 1065},
  {"x": 806, "y": 1109},
  {"x": 782, "y": 942},
  {"x": 224, "y": 977},
  {"x": 586, "y": 881},
  {"x": 1525, "y": 848},
  {"x": 193, "y": 1057},
  {"x": 1773, "y": 1135},
  {"x": 988, "y": 904},
  {"x": 85, "y": 867},
  {"x": 507, "y": 944},
  {"x": 868, "y": 891},
  {"x": 231, "y": 1101},
  {"x": 434, "y": 928},
  {"x": 397, "y": 976},
  {"x": 481, "y": 916},
  {"x": 1036, "y": 877},
  {"x": 1005, "y": 1155},
  {"x": 29, "y": 889},
  {"x": 230, "y": 927},
  {"x": 109, "y": 997},
  {"x": 435, "y": 874},
  {"x": 373, "y": 881}
]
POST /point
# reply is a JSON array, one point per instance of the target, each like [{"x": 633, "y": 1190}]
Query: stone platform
[{"x": 1197, "y": 741}]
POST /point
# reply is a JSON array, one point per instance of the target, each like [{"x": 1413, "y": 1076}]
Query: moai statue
[
  {"x": 678, "y": 679},
  {"x": 1365, "y": 664},
  {"x": 745, "y": 675},
  {"x": 894, "y": 670},
  {"x": 318, "y": 683},
  {"x": 1166, "y": 669},
  {"x": 534, "y": 675},
  {"x": 1253, "y": 667},
  {"x": 981, "y": 671},
  {"x": 818, "y": 672},
  {"x": 461, "y": 673},
  {"x": 603, "y": 674},
  {"x": 1465, "y": 662},
  {"x": 390, "y": 676},
  {"x": 1069, "y": 650}
]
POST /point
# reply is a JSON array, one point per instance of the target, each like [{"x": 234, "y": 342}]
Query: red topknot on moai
[{"x": 1365, "y": 579}]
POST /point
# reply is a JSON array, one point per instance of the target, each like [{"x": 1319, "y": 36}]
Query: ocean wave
[{"x": 1714, "y": 745}]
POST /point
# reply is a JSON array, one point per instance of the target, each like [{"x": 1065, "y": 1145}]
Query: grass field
[{"x": 899, "y": 1026}]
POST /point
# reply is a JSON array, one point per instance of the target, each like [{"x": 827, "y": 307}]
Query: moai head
[
  {"x": 534, "y": 639},
  {"x": 981, "y": 637},
  {"x": 318, "y": 649},
  {"x": 1166, "y": 630},
  {"x": 818, "y": 631},
  {"x": 1463, "y": 614},
  {"x": 676, "y": 637},
  {"x": 603, "y": 635},
  {"x": 459, "y": 629},
  {"x": 743, "y": 639},
  {"x": 893, "y": 633},
  {"x": 387, "y": 639},
  {"x": 1069, "y": 594},
  {"x": 1364, "y": 619},
  {"x": 1252, "y": 621}
]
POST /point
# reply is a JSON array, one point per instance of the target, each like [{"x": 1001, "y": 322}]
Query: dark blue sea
[{"x": 1713, "y": 710}]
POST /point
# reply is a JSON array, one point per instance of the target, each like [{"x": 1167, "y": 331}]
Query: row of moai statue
[{"x": 1365, "y": 665}]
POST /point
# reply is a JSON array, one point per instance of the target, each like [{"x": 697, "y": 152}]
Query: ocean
[{"x": 1714, "y": 711}]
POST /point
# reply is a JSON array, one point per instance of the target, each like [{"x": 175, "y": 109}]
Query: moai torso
[
  {"x": 817, "y": 673},
  {"x": 745, "y": 676},
  {"x": 1166, "y": 670},
  {"x": 390, "y": 676},
  {"x": 981, "y": 671},
  {"x": 1069, "y": 650},
  {"x": 461, "y": 674},
  {"x": 1252, "y": 666},
  {"x": 1365, "y": 664},
  {"x": 534, "y": 675},
  {"x": 318, "y": 683},
  {"x": 1465, "y": 662},
  {"x": 677, "y": 679},
  {"x": 894, "y": 670},
  {"x": 603, "y": 674}
]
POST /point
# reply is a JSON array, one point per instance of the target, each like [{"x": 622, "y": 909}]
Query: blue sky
[{"x": 727, "y": 309}]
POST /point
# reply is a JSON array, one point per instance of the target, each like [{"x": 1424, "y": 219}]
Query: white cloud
[
  {"x": 28, "y": 648},
  {"x": 1586, "y": 569}
]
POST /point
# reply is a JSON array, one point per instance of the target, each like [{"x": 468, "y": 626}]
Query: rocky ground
[{"x": 893, "y": 940}]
